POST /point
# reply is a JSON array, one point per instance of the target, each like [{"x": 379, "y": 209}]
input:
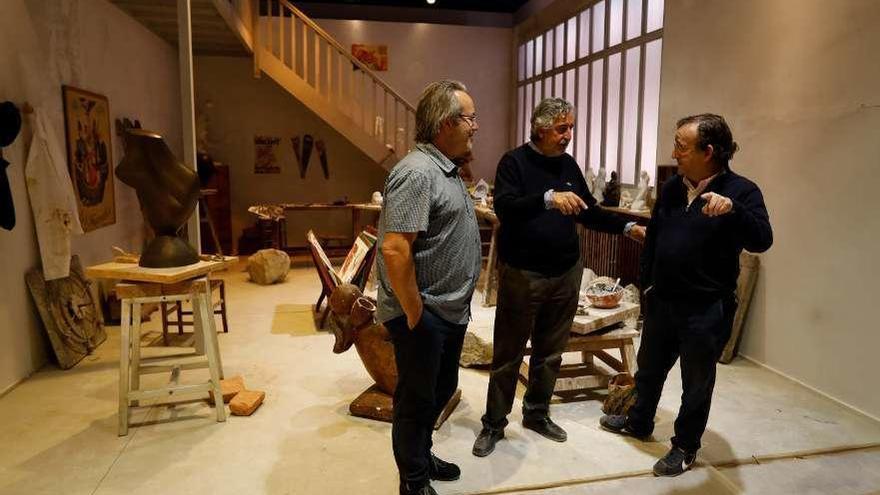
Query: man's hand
[
  {"x": 716, "y": 204},
  {"x": 568, "y": 203},
  {"x": 637, "y": 233},
  {"x": 413, "y": 319}
]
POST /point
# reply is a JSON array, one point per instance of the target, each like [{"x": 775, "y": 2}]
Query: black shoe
[
  {"x": 486, "y": 440},
  {"x": 406, "y": 489},
  {"x": 546, "y": 427},
  {"x": 616, "y": 423},
  {"x": 675, "y": 462},
  {"x": 441, "y": 470}
]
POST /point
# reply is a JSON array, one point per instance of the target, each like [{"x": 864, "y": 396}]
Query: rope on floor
[{"x": 714, "y": 468}]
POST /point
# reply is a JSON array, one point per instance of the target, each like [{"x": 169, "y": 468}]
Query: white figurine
[
  {"x": 590, "y": 177},
  {"x": 599, "y": 185},
  {"x": 376, "y": 198},
  {"x": 639, "y": 204}
]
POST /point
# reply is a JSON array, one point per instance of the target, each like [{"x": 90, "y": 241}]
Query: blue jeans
[{"x": 427, "y": 367}]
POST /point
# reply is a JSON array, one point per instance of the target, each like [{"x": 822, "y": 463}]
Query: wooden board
[
  {"x": 745, "y": 287},
  {"x": 598, "y": 318},
  {"x": 131, "y": 271},
  {"x": 373, "y": 403},
  {"x": 69, "y": 313}
]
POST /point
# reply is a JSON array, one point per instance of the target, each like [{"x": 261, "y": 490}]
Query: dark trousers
[
  {"x": 530, "y": 305},
  {"x": 427, "y": 367},
  {"x": 696, "y": 332}
]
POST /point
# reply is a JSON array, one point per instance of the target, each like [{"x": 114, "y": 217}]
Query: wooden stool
[
  {"x": 579, "y": 377},
  {"x": 177, "y": 308},
  {"x": 592, "y": 336},
  {"x": 131, "y": 365}
]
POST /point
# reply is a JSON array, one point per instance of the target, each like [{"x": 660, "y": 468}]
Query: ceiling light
[{"x": 431, "y": 2}]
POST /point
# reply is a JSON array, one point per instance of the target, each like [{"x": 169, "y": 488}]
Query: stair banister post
[{"x": 255, "y": 35}]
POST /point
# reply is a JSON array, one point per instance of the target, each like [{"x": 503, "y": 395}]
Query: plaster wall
[
  {"x": 420, "y": 53},
  {"x": 798, "y": 83},
  {"x": 94, "y": 46}
]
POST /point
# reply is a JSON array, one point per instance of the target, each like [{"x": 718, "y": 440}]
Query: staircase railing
[{"x": 296, "y": 46}]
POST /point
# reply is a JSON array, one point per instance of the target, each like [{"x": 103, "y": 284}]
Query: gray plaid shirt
[{"x": 424, "y": 194}]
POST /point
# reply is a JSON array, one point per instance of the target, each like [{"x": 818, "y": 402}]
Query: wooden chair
[
  {"x": 328, "y": 281},
  {"x": 176, "y": 308}
]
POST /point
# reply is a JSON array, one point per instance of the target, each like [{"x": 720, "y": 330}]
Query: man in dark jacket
[
  {"x": 540, "y": 193},
  {"x": 704, "y": 217}
]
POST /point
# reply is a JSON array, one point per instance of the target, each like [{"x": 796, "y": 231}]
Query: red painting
[{"x": 375, "y": 57}]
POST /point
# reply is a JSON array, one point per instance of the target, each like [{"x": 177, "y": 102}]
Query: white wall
[
  {"x": 243, "y": 107},
  {"x": 95, "y": 46},
  {"x": 419, "y": 54},
  {"x": 799, "y": 83}
]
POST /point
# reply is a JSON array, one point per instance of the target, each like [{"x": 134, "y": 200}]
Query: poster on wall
[
  {"x": 373, "y": 56},
  {"x": 265, "y": 158},
  {"x": 87, "y": 130}
]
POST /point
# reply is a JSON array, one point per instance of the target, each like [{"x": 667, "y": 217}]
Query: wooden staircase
[{"x": 303, "y": 59}]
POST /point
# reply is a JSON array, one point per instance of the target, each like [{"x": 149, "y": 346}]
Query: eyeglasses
[{"x": 470, "y": 119}]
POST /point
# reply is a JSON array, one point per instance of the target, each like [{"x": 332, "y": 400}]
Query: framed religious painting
[{"x": 89, "y": 156}]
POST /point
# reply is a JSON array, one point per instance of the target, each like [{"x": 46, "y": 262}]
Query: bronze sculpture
[
  {"x": 611, "y": 195},
  {"x": 167, "y": 191}
]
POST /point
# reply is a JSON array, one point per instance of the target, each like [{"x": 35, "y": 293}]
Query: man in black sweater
[
  {"x": 539, "y": 195},
  {"x": 703, "y": 219}
]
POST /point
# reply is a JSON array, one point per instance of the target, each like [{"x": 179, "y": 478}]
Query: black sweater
[
  {"x": 530, "y": 236},
  {"x": 690, "y": 255}
]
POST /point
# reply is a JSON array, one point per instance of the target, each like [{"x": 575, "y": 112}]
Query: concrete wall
[
  {"x": 241, "y": 107},
  {"x": 799, "y": 83},
  {"x": 421, "y": 53},
  {"x": 95, "y": 46}
]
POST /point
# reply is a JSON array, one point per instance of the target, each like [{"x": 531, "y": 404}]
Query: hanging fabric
[{"x": 52, "y": 199}]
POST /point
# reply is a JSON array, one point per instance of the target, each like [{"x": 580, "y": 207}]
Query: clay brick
[
  {"x": 229, "y": 388},
  {"x": 246, "y": 402}
]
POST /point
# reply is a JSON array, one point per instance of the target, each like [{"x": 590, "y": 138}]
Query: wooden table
[
  {"x": 356, "y": 210},
  {"x": 592, "y": 336},
  {"x": 157, "y": 285}
]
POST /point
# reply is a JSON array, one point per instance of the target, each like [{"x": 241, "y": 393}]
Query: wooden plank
[
  {"x": 131, "y": 271},
  {"x": 620, "y": 333},
  {"x": 124, "y": 376},
  {"x": 125, "y": 290},
  {"x": 598, "y": 318},
  {"x": 745, "y": 286},
  {"x": 158, "y": 393},
  {"x": 610, "y": 360}
]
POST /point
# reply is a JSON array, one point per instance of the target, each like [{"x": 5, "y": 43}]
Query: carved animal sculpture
[{"x": 353, "y": 314}]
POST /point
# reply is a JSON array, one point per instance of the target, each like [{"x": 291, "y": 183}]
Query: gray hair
[
  {"x": 437, "y": 104},
  {"x": 546, "y": 113}
]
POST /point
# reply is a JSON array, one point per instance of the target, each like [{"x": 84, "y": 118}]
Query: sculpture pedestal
[{"x": 373, "y": 403}]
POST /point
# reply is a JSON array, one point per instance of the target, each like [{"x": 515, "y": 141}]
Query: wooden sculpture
[{"x": 355, "y": 324}]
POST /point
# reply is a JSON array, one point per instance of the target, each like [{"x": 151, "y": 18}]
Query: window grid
[{"x": 601, "y": 68}]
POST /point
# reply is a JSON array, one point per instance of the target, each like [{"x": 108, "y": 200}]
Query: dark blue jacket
[{"x": 690, "y": 255}]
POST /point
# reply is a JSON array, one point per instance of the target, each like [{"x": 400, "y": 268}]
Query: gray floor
[{"x": 58, "y": 428}]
